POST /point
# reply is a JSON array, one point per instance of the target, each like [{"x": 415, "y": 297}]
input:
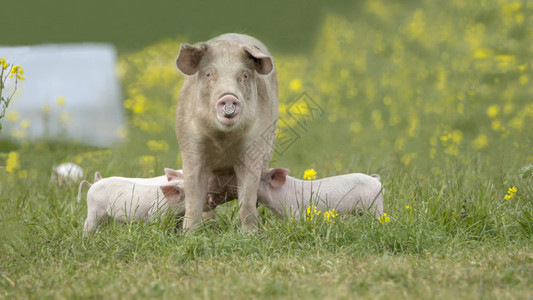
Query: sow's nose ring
[{"x": 229, "y": 110}]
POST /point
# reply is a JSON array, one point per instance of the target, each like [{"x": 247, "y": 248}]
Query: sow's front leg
[
  {"x": 248, "y": 185},
  {"x": 195, "y": 186},
  {"x": 248, "y": 172}
]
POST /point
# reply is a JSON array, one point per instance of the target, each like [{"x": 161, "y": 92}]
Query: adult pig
[{"x": 226, "y": 118}]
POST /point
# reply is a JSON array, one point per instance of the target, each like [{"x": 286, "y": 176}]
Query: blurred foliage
[
  {"x": 133, "y": 24},
  {"x": 413, "y": 85}
]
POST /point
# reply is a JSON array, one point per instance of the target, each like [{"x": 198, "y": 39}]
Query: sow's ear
[
  {"x": 263, "y": 63},
  {"x": 278, "y": 177},
  {"x": 189, "y": 57}
]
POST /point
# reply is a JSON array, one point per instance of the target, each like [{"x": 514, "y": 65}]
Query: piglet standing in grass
[
  {"x": 133, "y": 199},
  {"x": 67, "y": 172},
  {"x": 347, "y": 193}
]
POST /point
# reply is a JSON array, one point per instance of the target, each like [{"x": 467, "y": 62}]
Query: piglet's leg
[{"x": 94, "y": 218}]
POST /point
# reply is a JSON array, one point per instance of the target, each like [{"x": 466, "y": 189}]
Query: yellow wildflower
[
  {"x": 511, "y": 192},
  {"x": 384, "y": 219},
  {"x": 516, "y": 123},
  {"x": 433, "y": 141},
  {"x": 408, "y": 207},
  {"x": 3, "y": 63},
  {"x": 399, "y": 144},
  {"x": 407, "y": 158},
  {"x": 445, "y": 138},
  {"x": 158, "y": 146},
  {"x": 12, "y": 163},
  {"x": 17, "y": 71},
  {"x": 330, "y": 215},
  {"x": 13, "y": 116},
  {"x": 483, "y": 53},
  {"x": 25, "y": 123},
  {"x": 493, "y": 110},
  {"x": 60, "y": 101},
  {"x": 78, "y": 159},
  {"x": 480, "y": 142},
  {"x": 311, "y": 212},
  {"x": 296, "y": 85},
  {"x": 496, "y": 125},
  {"x": 309, "y": 174},
  {"x": 457, "y": 136}
]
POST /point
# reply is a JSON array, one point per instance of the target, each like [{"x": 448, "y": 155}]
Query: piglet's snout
[{"x": 228, "y": 106}]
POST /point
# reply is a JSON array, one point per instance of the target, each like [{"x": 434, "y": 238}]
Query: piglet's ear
[
  {"x": 263, "y": 63},
  {"x": 278, "y": 177},
  {"x": 171, "y": 191},
  {"x": 173, "y": 175},
  {"x": 189, "y": 57},
  {"x": 97, "y": 177}
]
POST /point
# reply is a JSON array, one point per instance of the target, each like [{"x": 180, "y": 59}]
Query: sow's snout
[{"x": 228, "y": 108}]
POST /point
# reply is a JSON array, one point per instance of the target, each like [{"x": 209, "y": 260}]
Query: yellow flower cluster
[
  {"x": 330, "y": 215},
  {"x": 60, "y": 101},
  {"x": 3, "y": 63},
  {"x": 91, "y": 157},
  {"x": 383, "y": 219},
  {"x": 17, "y": 71},
  {"x": 313, "y": 213},
  {"x": 310, "y": 174},
  {"x": 151, "y": 84},
  {"x": 13, "y": 167},
  {"x": 158, "y": 146},
  {"x": 13, "y": 162},
  {"x": 511, "y": 192}
]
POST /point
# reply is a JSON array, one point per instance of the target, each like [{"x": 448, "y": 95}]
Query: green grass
[{"x": 461, "y": 239}]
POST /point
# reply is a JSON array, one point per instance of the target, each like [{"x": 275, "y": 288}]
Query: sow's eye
[
  {"x": 245, "y": 76},
  {"x": 209, "y": 74}
]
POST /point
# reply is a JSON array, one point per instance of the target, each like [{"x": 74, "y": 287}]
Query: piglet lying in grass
[
  {"x": 133, "y": 199},
  {"x": 347, "y": 193}
]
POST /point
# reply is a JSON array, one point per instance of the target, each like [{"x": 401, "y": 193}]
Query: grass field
[{"x": 436, "y": 98}]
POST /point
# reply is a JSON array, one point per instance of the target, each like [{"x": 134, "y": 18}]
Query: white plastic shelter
[{"x": 70, "y": 91}]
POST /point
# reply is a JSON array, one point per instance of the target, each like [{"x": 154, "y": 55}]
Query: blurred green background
[
  {"x": 409, "y": 84},
  {"x": 288, "y": 26}
]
